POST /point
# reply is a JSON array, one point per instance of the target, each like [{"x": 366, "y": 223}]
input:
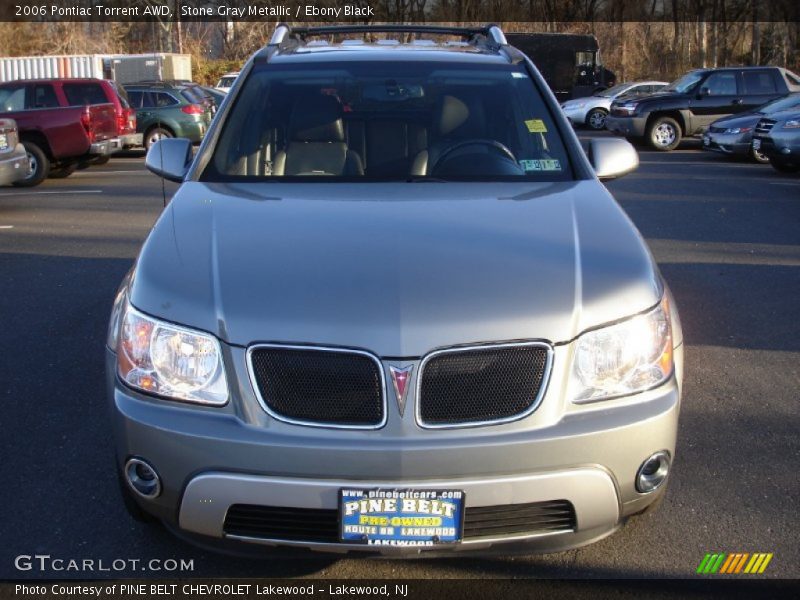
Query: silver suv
[{"x": 392, "y": 308}]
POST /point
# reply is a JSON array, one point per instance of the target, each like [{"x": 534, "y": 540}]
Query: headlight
[
  {"x": 628, "y": 108},
  {"x": 624, "y": 358},
  {"x": 171, "y": 361},
  {"x": 792, "y": 124},
  {"x": 735, "y": 130}
]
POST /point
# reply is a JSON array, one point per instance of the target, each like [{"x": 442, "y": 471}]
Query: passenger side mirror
[
  {"x": 612, "y": 157},
  {"x": 704, "y": 91},
  {"x": 170, "y": 158}
]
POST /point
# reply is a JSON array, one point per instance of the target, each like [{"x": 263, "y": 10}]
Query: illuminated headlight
[
  {"x": 735, "y": 130},
  {"x": 627, "y": 357},
  {"x": 170, "y": 361},
  {"x": 792, "y": 124}
]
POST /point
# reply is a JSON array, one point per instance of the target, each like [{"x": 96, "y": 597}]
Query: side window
[
  {"x": 759, "y": 82},
  {"x": 721, "y": 84},
  {"x": 81, "y": 94},
  {"x": 148, "y": 99},
  {"x": 43, "y": 96},
  {"x": 135, "y": 99},
  {"x": 12, "y": 97},
  {"x": 163, "y": 100}
]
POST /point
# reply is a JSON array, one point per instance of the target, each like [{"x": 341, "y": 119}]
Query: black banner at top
[{"x": 407, "y": 11}]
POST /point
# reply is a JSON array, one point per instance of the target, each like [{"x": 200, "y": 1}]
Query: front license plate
[
  {"x": 3, "y": 142},
  {"x": 756, "y": 143},
  {"x": 401, "y": 517}
]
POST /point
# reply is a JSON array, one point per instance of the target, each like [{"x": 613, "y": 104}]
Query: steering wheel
[{"x": 454, "y": 147}]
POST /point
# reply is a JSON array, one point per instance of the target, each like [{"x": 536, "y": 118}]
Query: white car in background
[
  {"x": 226, "y": 81},
  {"x": 592, "y": 110}
]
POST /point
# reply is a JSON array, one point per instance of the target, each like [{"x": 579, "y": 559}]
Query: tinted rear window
[
  {"x": 81, "y": 94},
  {"x": 759, "y": 82}
]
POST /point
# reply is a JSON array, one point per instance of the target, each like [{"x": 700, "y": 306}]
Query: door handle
[{"x": 737, "y": 101}]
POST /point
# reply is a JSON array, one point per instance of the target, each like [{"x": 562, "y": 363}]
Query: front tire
[
  {"x": 596, "y": 119},
  {"x": 664, "y": 134},
  {"x": 39, "y": 164}
]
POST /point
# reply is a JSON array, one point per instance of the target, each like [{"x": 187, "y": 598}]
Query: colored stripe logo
[{"x": 734, "y": 563}]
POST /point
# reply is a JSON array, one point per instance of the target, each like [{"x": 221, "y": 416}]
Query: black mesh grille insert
[
  {"x": 321, "y": 386},
  {"x": 322, "y": 525},
  {"x": 483, "y": 384}
]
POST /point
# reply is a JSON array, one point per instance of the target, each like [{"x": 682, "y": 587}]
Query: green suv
[{"x": 166, "y": 111}]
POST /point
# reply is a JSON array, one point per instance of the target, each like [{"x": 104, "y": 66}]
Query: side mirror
[
  {"x": 704, "y": 91},
  {"x": 612, "y": 157},
  {"x": 170, "y": 158}
]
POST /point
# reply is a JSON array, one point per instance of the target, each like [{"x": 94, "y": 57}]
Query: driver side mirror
[
  {"x": 612, "y": 157},
  {"x": 170, "y": 158}
]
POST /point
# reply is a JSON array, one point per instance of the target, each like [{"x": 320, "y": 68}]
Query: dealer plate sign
[{"x": 401, "y": 517}]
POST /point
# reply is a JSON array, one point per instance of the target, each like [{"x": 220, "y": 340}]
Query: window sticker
[
  {"x": 536, "y": 126},
  {"x": 547, "y": 164}
]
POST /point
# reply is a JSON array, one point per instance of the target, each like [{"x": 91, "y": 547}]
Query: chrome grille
[{"x": 464, "y": 387}]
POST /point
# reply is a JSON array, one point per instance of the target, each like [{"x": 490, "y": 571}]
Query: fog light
[
  {"x": 142, "y": 478},
  {"x": 786, "y": 151},
  {"x": 653, "y": 472}
]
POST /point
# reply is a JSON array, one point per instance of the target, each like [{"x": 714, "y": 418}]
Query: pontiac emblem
[{"x": 400, "y": 379}]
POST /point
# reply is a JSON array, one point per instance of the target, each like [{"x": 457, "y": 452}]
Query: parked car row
[
  {"x": 65, "y": 124},
  {"x": 739, "y": 111}
]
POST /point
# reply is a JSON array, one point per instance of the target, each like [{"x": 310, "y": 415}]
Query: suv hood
[{"x": 398, "y": 269}]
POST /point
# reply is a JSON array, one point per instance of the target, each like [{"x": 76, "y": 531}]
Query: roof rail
[{"x": 284, "y": 32}]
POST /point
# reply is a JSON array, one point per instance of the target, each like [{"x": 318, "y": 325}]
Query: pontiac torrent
[{"x": 392, "y": 308}]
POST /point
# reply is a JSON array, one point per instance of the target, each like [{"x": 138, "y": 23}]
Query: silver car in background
[
  {"x": 14, "y": 164},
  {"x": 392, "y": 308},
  {"x": 592, "y": 111},
  {"x": 733, "y": 135}
]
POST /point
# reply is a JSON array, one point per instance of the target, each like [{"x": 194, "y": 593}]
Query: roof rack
[{"x": 286, "y": 35}]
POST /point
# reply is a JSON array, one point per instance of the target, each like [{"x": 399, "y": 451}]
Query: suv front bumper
[
  {"x": 627, "y": 126},
  {"x": 210, "y": 459}
]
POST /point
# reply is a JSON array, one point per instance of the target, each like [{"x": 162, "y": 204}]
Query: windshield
[
  {"x": 685, "y": 83},
  {"x": 614, "y": 91},
  {"x": 369, "y": 121},
  {"x": 785, "y": 103}
]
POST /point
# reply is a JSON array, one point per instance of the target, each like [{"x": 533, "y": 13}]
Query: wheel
[
  {"x": 40, "y": 166},
  {"x": 783, "y": 167},
  {"x": 596, "y": 119},
  {"x": 758, "y": 156},
  {"x": 155, "y": 134},
  {"x": 664, "y": 134},
  {"x": 134, "y": 510},
  {"x": 63, "y": 172}
]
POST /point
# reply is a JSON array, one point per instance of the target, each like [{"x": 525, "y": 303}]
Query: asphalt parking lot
[{"x": 725, "y": 234}]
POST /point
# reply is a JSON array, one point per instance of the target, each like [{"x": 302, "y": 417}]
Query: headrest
[
  {"x": 454, "y": 118},
  {"x": 316, "y": 119}
]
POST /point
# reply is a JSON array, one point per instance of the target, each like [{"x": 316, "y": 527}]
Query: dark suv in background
[
  {"x": 690, "y": 104},
  {"x": 165, "y": 110}
]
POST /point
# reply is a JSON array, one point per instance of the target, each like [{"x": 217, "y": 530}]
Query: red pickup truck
[{"x": 66, "y": 123}]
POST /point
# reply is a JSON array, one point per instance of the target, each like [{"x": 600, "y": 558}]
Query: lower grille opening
[{"x": 322, "y": 525}]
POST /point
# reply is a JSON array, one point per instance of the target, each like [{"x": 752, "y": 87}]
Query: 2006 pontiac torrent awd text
[{"x": 392, "y": 308}]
